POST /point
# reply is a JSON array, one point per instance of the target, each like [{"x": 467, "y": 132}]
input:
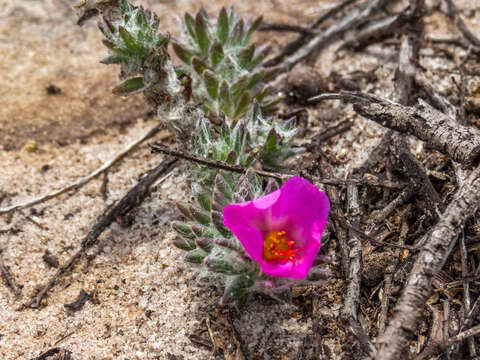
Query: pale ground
[{"x": 149, "y": 301}]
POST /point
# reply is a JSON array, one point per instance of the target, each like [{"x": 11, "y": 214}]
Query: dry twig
[
  {"x": 324, "y": 38},
  {"x": 461, "y": 143},
  {"x": 7, "y": 276},
  {"x": 85, "y": 180},
  {"x": 366, "y": 180},
  {"x": 293, "y": 46},
  {"x": 352, "y": 295},
  {"x": 132, "y": 199},
  {"x": 439, "y": 243}
]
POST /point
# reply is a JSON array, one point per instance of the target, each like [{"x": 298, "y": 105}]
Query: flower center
[{"x": 276, "y": 247}]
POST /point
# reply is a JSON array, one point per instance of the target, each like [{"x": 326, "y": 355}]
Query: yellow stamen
[{"x": 276, "y": 247}]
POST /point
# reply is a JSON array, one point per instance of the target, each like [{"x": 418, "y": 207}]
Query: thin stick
[
  {"x": 83, "y": 181},
  {"x": 439, "y": 244},
  {"x": 446, "y": 323},
  {"x": 442, "y": 132},
  {"x": 132, "y": 199},
  {"x": 7, "y": 276},
  {"x": 453, "y": 13},
  {"x": 356, "y": 17},
  {"x": 286, "y": 28},
  {"x": 383, "y": 214},
  {"x": 466, "y": 290},
  {"x": 464, "y": 335},
  {"x": 368, "y": 180},
  {"x": 352, "y": 295},
  {"x": 294, "y": 45}
]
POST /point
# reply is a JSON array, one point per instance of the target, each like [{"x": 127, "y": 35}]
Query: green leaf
[
  {"x": 184, "y": 244},
  {"x": 198, "y": 65},
  {"x": 162, "y": 40},
  {"x": 204, "y": 200},
  {"x": 196, "y": 256},
  {"x": 270, "y": 73},
  {"x": 217, "y": 221},
  {"x": 183, "y": 229},
  {"x": 222, "y": 26},
  {"x": 239, "y": 86},
  {"x": 129, "y": 40},
  {"x": 242, "y": 105},
  {"x": 126, "y": 7},
  {"x": 254, "y": 26},
  {"x": 225, "y": 264},
  {"x": 204, "y": 244},
  {"x": 238, "y": 290},
  {"x": 225, "y": 99},
  {"x": 271, "y": 141},
  {"x": 140, "y": 19},
  {"x": 184, "y": 54},
  {"x": 245, "y": 56},
  {"x": 201, "y": 29},
  {"x": 200, "y": 216},
  {"x": 216, "y": 53},
  {"x": 228, "y": 243},
  {"x": 237, "y": 33},
  {"x": 260, "y": 54},
  {"x": 184, "y": 209},
  {"x": 112, "y": 59},
  {"x": 129, "y": 86},
  {"x": 211, "y": 83},
  {"x": 231, "y": 157},
  {"x": 190, "y": 24},
  {"x": 254, "y": 79}
]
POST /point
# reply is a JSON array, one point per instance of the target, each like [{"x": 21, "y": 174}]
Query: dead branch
[
  {"x": 324, "y": 38},
  {"x": 367, "y": 180},
  {"x": 439, "y": 243},
  {"x": 294, "y": 45},
  {"x": 466, "y": 290},
  {"x": 9, "y": 279},
  {"x": 374, "y": 30},
  {"x": 85, "y": 180},
  {"x": 452, "y": 12},
  {"x": 354, "y": 278},
  {"x": 62, "y": 354},
  {"x": 343, "y": 223},
  {"x": 335, "y": 196},
  {"x": 132, "y": 199},
  {"x": 384, "y": 213},
  {"x": 461, "y": 143},
  {"x": 332, "y": 131},
  {"x": 286, "y": 28}
]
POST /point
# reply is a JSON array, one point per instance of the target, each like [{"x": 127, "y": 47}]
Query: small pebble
[{"x": 30, "y": 146}]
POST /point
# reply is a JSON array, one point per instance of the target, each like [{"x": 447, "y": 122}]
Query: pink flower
[{"x": 282, "y": 231}]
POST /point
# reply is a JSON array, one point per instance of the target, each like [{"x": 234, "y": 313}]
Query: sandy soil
[{"x": 148, "y": 302}]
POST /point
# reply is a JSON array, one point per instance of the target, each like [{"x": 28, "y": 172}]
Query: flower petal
[
  {"x": 298, "y": 208},
  {"x": 302, "y": 204},
  {"x": 251, "y": 239}
]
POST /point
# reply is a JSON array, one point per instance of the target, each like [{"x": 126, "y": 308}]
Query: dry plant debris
[{"x": 401, "y": 169}]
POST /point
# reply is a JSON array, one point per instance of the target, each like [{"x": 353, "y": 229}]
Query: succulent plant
[
  {"x": 224, "y": 66},
  {"x": 228, "y": 121},
  {"x": 212, "y": 247},
  {"x": 132, "y": 39},
  {"x": 254, "y": 138}
]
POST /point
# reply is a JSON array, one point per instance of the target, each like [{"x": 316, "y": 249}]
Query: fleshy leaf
[
  {"x": 129, "y": 86},
  {"x": 222, "y": 26}
]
